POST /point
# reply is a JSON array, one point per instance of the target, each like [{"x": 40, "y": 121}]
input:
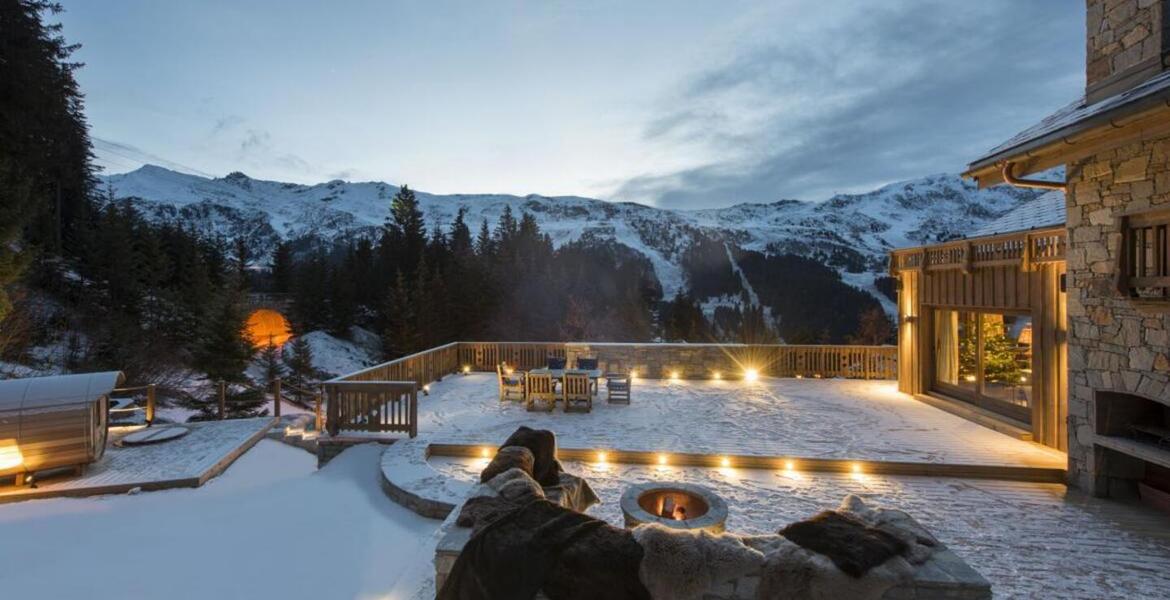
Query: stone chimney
[{"x": 1128, "y": 42}]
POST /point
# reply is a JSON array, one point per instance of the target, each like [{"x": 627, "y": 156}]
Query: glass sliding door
[
  {"x": 986, "y": 359},
  {"x": 955, "y": 348}
]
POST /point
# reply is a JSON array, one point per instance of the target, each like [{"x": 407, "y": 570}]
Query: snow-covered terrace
[
  {"x": 251, "y": 531},
  {"x": 1020, "y": 535},
  {"x": 811, "y": 418}
]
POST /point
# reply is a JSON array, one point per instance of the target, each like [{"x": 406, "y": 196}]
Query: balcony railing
[{"x": 1022, "y": 249}]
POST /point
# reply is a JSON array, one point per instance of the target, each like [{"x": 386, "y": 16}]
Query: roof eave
[{"x": 1054, "y": 148}]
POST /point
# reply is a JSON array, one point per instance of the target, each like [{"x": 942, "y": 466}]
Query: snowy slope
[{"x": 851, "y": 233}]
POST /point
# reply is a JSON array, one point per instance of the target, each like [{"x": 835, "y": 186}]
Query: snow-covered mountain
[{"x": 851, "y": 233}]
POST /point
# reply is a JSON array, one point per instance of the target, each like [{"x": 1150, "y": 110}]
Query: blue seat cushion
[
  {"x": 587, "y": 364},
  {"x": 555, "y": 363}
]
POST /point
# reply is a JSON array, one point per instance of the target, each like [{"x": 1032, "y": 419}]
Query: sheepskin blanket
[
  {"x": 792, "y": 571},
  {"x": 847, "y": 541},
  {"x": 540, "y": 546},
  {"x": 543, "y": 445},
  {"x": 684, "y": 564},
  {"x": 508, "y": 457}
]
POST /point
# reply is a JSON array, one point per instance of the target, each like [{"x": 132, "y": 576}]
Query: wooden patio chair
[
  {"x": 541, "y": 387},
  {"x": 589, "y": 364},
  {"x": 576, "y": 391},
  {"x": 617, "y": 387},
  {"x": 511, "y": 385}
]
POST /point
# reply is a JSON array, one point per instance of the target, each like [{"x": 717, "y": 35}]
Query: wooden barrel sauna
[{"x": 54, "y": 422}]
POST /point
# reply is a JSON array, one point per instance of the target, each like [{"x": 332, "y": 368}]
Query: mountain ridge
[{"x": 851, "y": 233}]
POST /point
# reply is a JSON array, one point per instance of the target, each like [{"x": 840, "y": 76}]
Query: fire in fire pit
[{"x": 677, "y": 505}]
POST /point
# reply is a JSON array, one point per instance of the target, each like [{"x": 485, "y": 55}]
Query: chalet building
[
  {"x": 983, "y": 323},
  {"x": 1078, "y": 314}
]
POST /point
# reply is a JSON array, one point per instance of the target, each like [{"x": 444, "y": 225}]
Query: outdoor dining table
[{"x": 593, "y": 374}]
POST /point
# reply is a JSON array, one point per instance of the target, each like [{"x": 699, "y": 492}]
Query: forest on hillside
[{"x": 87, "y": 282}]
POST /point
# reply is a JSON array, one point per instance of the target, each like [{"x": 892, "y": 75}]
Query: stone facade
[
  {"x": 1113, "y": 344},
  {"x": 1124, "y": 37}
]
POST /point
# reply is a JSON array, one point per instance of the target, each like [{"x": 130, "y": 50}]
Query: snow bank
[
  {"x": 335, "y": 356},
  {"x": 240, "y": 536}
]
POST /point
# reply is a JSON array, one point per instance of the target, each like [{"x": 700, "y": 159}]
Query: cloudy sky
[{"x": 678, "y": 104}]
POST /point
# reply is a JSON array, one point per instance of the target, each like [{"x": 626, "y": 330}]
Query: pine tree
[
  {"x": 15, "y": 188},
  {"x": 401, "y": 334},
  {"x": 300, "y": 362},
  {"x": 754, "y": 328},
  {"x": 483, "y": 242},
  {"x": 271, "y": 362},
  {"x": 281, "y": 267},
  {"x": 241, "y": 256},
  {"x": 44, "y": 140},
  {"x": 224, "y": 350},
  {"x": 408, "y": 225},
  {"x": 461, "y": 244}
]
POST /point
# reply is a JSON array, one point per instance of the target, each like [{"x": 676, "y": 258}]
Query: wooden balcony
[{"x": 1025, "y": 249}]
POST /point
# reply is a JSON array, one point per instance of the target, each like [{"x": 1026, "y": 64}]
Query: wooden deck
[{"x": 189, "y": 461}]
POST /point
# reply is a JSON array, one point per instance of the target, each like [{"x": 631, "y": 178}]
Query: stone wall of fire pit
[{"x": 645, "y": 502}]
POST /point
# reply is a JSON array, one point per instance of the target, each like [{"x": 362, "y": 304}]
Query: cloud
[
  {"x": 226, "y": 123},
  {"x": 851, "y": 100},
  {"x": 255, "y": 141},
  {"x": 256, "y": 150}
]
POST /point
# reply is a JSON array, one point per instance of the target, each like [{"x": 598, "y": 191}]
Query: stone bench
[{"x": 943, "y": 576}]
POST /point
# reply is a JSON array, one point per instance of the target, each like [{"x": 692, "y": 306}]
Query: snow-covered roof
[
  {"x": 1045, "y": 211},
  {"x": 56, "y": 390},
  {"x": 1078, "y": 113}
]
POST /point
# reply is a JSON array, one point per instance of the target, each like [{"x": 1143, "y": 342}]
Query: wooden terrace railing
[
  {"x": 384, "y": 398},
  {"x": 371, "y": 406},
  {"x": 420, "y": 367},
  {"x": 1024, "y": 249},
  {"x": 694, "y": 360}
]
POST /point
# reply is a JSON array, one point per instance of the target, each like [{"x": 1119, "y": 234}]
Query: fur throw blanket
[
  {"x": 684, "y": 564},
  {"x": 517, "y": 551},
  {"x": 689, "y": 565},
  {"x": 800, "y": 571},
  {"x": 543, "y": 445}
]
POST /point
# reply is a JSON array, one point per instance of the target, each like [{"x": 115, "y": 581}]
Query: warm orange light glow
[
  {"x": 600, "y": 457},
  {"x": 266, "y": 326},
  {"x": 725, "y": 462},
  {"x": 466, "y": 369},
  {"x": 674, "y": 375},
  {"x": 10, "y": 456},
  {"x": 789, "y": 465},
  {"x": 856, "y": 468},
  {"x": 751, "y": 375},
  {"x": 716, "y": 375},
  {"x": 484, "y": 453},
  {"x": 427, "y": 388},
  {"x": 662, "y": 459},
  {"x": 633, "y": 373}
]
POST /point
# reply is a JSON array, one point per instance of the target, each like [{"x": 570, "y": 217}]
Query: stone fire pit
[{"x": 675, "y": 505}]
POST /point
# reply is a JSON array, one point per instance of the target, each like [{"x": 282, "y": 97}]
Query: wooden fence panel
[{"x": 372, "y": 406}]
